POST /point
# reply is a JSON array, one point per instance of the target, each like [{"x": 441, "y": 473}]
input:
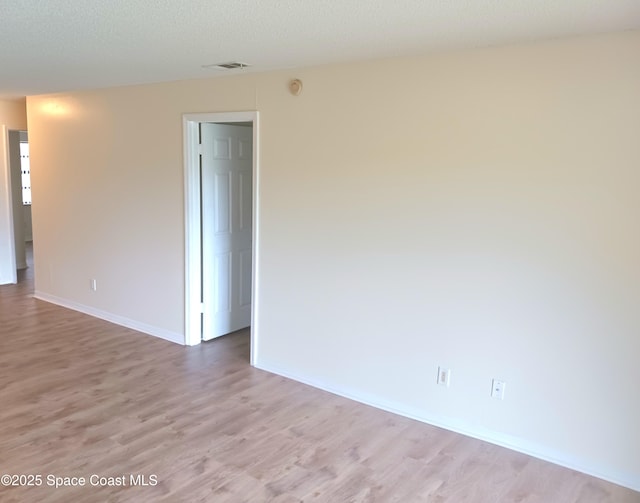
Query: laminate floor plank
[{"x": 80, "y": 396}]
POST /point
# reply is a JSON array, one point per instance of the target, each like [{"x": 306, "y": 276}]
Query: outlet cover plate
[
  {"x": 444, "y": 376},
  {"x": 497, "y": 389}
]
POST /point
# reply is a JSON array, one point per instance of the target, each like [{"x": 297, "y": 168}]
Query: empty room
[{"x": 292, "y": 251}]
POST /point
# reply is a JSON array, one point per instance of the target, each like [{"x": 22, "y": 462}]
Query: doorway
[
  {"x": 226, "y": 164},
  {"x": 201, "y": 232},
  {"x": 17, "y": 209}
]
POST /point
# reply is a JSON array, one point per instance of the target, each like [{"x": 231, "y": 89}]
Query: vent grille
[{"x": 232, "y": 65}]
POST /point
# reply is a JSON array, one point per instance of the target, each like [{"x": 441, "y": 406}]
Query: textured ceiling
[{"x": 62, "y": 45}]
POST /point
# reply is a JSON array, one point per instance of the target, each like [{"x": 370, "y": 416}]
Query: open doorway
[
  {"x": 220, "y": 269},
  {"x": 20, "y": 175},
  {"x": 226, "y": 173}
]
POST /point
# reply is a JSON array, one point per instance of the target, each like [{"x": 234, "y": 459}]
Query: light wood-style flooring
[{"x": 81, "y": 397}]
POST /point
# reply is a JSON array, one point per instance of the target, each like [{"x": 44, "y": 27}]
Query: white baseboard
[
  {"x": 113, "y": 318},
  {"x": 514, "y": 443}
]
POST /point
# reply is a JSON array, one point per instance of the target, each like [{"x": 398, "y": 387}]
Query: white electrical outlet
[
  {"x": 93, "y": 285},
  {"x": 444, "y": 376},
  {"x": 497, "y": 389}
]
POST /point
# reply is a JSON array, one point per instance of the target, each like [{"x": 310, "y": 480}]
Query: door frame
[
  {"x": 193, "y": 240},
  {"x": 7, "y": 212}
]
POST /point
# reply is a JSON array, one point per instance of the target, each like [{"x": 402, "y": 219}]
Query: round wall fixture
[{"x": 295, "y": 87}]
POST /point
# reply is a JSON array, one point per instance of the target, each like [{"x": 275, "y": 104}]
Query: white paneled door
[{"x": 226, "y": 172}]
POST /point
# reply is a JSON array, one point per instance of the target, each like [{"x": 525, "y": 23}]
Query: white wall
[
  {"x": 12, "y": 116},
  {"x": 474, "y": 209}
]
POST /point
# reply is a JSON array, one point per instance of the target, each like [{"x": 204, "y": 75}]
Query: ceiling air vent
[{"x": 226, "y": 66}]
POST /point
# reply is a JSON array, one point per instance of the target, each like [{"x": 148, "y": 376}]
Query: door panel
[
  {"x": 226, "y": 172},
  {"x": 244, "y": 292},
  {"x": 245, "y": 194},
  {"x": 221, "y": 148},
  {"x": 245, "y": 150},
  {"x": 221, "y": 281},
  {"x": 222, "y": 203}
]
